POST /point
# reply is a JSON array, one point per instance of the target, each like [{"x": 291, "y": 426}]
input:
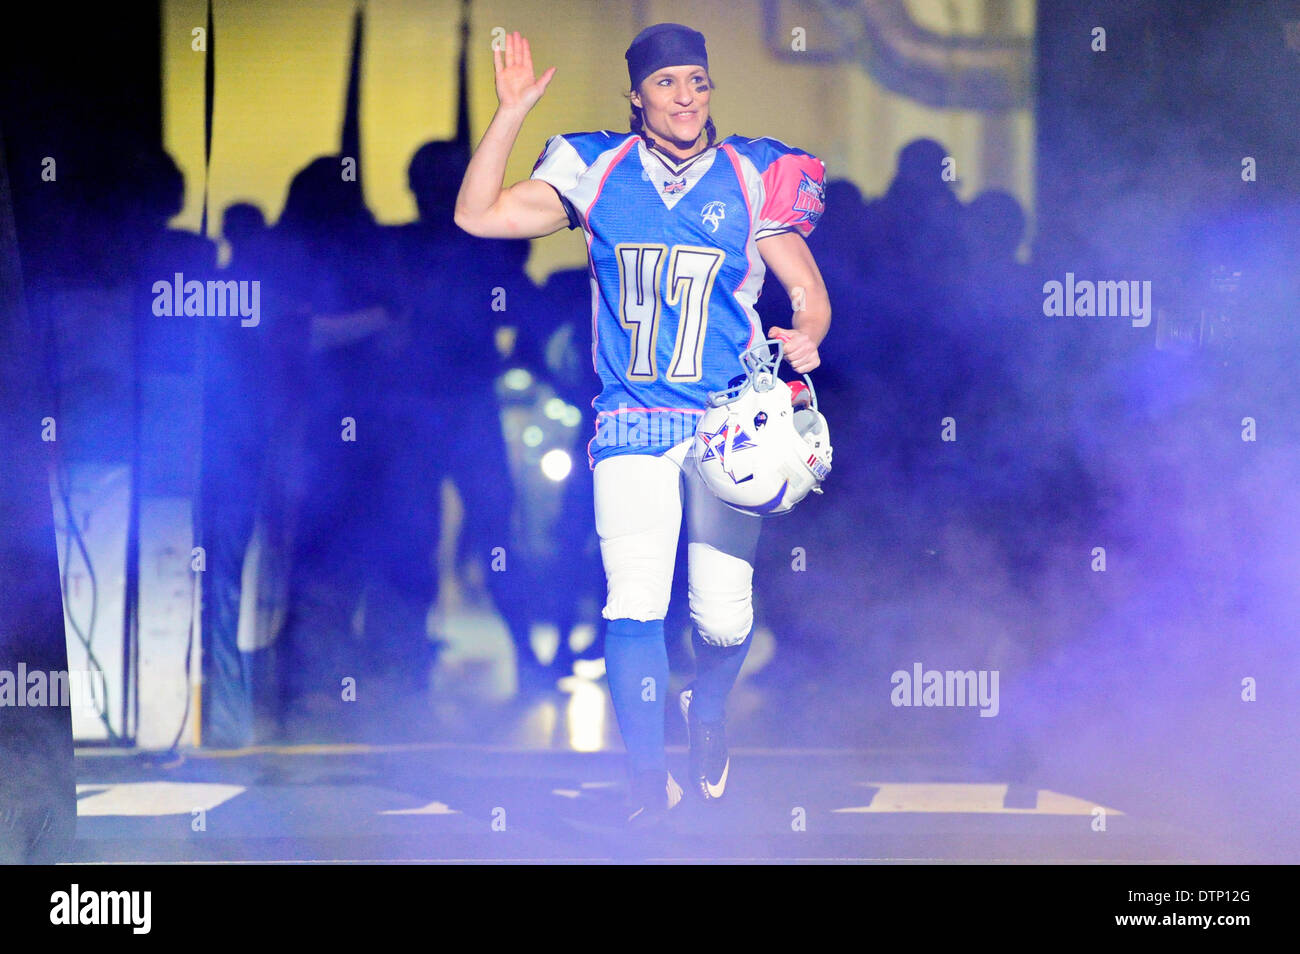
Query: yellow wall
[{"x": 282, "y": 75}]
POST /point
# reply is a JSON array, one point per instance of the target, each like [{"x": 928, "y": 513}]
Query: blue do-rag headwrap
[{"x": 664, "y": 44}]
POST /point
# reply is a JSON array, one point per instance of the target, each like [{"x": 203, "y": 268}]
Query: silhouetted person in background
[
  {"x": 244, "y": 228},
  {"x": 999, "y": 287},
  {"x": 1000, "y": 306},
  {"x": 448, "y": 367},
  {"x": 837, "y": 244},
  {"x": 839, "y": 239},
  {"x": 238, "y": 428},
  {"x": 575, "y": 589},
  {"x": 152, "y": 193},
  {"x": 912, "y": 270},
  {"x": 914, "y": 225},
  {"x": 339, "y": 297}
]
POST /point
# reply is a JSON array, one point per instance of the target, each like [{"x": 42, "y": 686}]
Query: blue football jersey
[{"x": 675, "y": 268}]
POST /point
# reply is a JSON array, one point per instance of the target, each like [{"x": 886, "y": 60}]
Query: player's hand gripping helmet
[{"x": 763, "y": 444}]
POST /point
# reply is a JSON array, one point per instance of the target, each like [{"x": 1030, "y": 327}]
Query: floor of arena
[
  {"x": 538, "y": 778},
  {"x": 446, "y": 803}
]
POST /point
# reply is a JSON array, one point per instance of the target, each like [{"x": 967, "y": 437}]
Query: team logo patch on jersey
[
  {"x": 675, "y": 187},
  {"x": 810, "y": 199},
  {"x": 714, "y": 213}
]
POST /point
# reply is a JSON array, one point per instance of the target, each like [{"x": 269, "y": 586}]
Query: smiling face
[{"x": 675, "y": 106}]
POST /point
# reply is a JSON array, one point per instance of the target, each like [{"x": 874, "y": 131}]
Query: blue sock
[
  {"x": 716, "y": 669},
  {"x": 636, "y": 664}
]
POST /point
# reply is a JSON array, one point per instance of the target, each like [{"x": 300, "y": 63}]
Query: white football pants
[{"x": 638, "y": 516}]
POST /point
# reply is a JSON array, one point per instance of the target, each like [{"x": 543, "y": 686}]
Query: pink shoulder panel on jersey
[{"x": 794, "y": 191}]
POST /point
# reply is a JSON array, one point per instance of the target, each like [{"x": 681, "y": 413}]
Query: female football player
[{"x": 680, "y": 231}]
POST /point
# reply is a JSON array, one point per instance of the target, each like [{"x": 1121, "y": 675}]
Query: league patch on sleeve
[
  {"x": 809, "y": 200},
  {"x": 795, "y": 194}
]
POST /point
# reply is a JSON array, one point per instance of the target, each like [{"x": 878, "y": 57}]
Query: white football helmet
[{"x": 763, "y": 444}]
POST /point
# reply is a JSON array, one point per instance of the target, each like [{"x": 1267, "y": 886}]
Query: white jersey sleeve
[{"x": 560, "y": 167}]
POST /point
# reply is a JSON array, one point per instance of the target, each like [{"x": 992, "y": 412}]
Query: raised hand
[{"x": 517, "y": 87}]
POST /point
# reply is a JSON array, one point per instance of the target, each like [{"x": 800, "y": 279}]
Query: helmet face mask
[
  {"x": 763, "y": 445},
  {"x": 760, "y": 363}
]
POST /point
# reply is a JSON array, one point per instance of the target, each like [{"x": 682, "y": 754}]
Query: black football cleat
[
  {"x": 652, "y": 795},
  {"x": 710, "y": 762}
]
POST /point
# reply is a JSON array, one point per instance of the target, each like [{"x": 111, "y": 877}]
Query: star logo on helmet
[{"x": 715, "y": 444}]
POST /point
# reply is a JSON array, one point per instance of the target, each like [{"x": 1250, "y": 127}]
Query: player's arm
[
  {"x": 792, "y": 262},
  {"x": 527, "y": 209}
]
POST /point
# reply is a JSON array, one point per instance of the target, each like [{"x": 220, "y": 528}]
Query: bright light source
[
  {"x": 532, "y": 435},
  {"x": 592, "y": 669},
  {"x": 571, "y": 417},
  {"x": 556, "y": 464},
  {"x": 581, "y": 637},
  {"x": 586, "y": 716},
  {"x": 555, "y": 408},
  {"x": 505, "y": 340},
  {"x": 518, "y": 379}
]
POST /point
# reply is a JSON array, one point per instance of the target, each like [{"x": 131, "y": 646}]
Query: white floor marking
[
  {"x": 153, "y": 798},
  {"x": 965, "y": 798},
  {"x": 433, "y": 808}
]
